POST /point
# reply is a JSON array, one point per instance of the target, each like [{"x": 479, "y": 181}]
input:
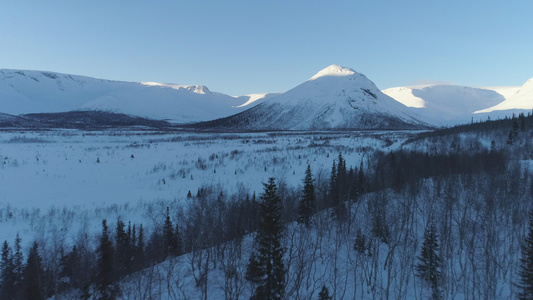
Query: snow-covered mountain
[
  {"x": 452, "y": 104},
  {"x": 445, "y": 104},
  {"x": 334, "y": 98},
  {"x": 43, "y": 92},
  {"x": 521, "y": 99}
]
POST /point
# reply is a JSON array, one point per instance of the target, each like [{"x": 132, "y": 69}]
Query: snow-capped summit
[
  {"x": 333, "y": 70},
  {"x": 335, "y": 98},
  {"x": 198, "y": 89}
]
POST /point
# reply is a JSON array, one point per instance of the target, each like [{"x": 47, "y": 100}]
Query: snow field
[{"x": 67, "y": 181}]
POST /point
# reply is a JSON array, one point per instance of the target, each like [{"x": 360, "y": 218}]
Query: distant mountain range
[
  {"x": 23, "y": 92},
  {"x": 334, "y": 98}
]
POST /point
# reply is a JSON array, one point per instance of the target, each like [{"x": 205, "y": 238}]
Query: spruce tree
[
  {"x": 526, "y": 267},
  {"x": 33, "y": 275},
  {"x": 18, "y": 264},
  {"x": 105, "y": 275},
  {"x": 122, "y": 252},
  {"x": 266, "y": 266},
  {"x": 324, "y": 294},
  {"x": 306, "y": 207},
  {"x": 169, "y": 238},
  {"x": 429, "y": 265},
  {"x": 139, "y": 259},
  {"x": 7, "y": 278}
]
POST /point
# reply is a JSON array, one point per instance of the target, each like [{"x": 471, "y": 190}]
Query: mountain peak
[{"x": 333, "y": 70}]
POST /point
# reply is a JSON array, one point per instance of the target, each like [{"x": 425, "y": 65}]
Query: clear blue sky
[{"x": 240, "y": 47}]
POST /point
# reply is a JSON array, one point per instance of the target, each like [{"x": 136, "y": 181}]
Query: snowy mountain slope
[
  {"x": 445, "y": 104},
  {"x": 451, "y": 104},
  {"x": 334, "y": 98},
  {"x": 521, "y": 99},
  {"x": 42, "y": 92}
]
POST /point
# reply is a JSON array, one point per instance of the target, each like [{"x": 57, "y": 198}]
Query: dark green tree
[
  {"x": 18, "y": 261},
  {"x": 338, "y": 191},
  {"x": 123, "y": 251},
  {"x": 105, "y": 285},
  {"x": 34, "y": 275},
  {"x": 429, "y": 261},
  {"x": 306, "y": 206},
  {"x": 170, "y": 241},
  {"x": 526, "y": 267},
  {"x": 324, "y": 294},
  {"x": 7, "y": 276},
  {"x": 266, "y": 267}
]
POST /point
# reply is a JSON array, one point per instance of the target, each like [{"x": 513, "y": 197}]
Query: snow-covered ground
[{"x": 87, "y": 176}]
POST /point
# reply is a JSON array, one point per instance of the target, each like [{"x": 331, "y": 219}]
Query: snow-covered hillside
[
  {"x": 334, "y": 98},
  {"x": 445, "y": 104},
  {"x": 521, "y": 99},
  {"x": 42, "y": 92},
  {"x": 448, "y": 105}
]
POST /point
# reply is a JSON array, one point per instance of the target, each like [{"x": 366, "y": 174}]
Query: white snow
[
  {"x": 37, "y": 92},
  {"x": 521, "y": 99},
  {"x": 449, "y": 104},
  {"x": 50, "y": 171},
  {"x": 333, "y": 70}
]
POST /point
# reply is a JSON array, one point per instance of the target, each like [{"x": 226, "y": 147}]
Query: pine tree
[
  {"x": 336, "y": 188},
  {"x": 139, "y": 259},
  {"x": 170, "y": 241},
  {"x": 306, "y": 207},
  {"x": 324, "y": 294},
  {"x": 69, "y": 264},
  {"x": 105, "y": 275},
  {"x": 526, "y": 267},
  {"x": 7, "y": 278},
  {"x": 429, "y": 266},
  {"x": 333, "y": 187},
  {"x": 266, "y": 265},
  {"x": 33, "y": 275},
  {"x": 123, "y": 251}
]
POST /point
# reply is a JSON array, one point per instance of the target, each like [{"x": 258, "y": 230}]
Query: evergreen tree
[
  {"x": 324, "y": 294},
  {"x": 105, "y": 277},
  {"x": 526, "y": 267},
  {"x": 333, "y": 187},
  {"x": 18, "y": 264},
  {"x": 178, "y": 242},
  {"x": 69, "y": 266},
  {"x": 266, "y": 266},
  {"x": 337, "y": 190},
  {"x": 170, "y": 242},
  {"x": 7, "y": 278},
  {"x": 139, "y": 254},
  {"x": 34, "y": 275},
  {"x": 429, "y": 265},
  {"x": 306, "y": 207},
  {"x": 123, "y": 250}
]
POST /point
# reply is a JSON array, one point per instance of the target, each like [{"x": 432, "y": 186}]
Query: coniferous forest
[{"x": 447, "y": 215}]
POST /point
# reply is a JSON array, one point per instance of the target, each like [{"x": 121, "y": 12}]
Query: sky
[{"x": 242, "y": 47}]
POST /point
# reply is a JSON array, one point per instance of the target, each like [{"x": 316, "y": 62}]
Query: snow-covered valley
[
  {"x": 58, "y": 186},
  {"x": 91, "y": 173}
]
